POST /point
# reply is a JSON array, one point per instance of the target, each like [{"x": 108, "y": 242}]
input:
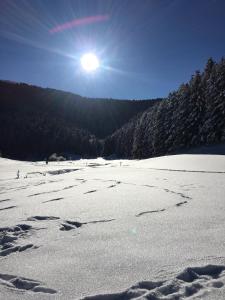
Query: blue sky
[{"x": 147, "y": 48}]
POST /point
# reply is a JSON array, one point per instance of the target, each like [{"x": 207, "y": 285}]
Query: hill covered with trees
[
  {"x": 193, "y": 115},
  {"x": 36, "y": 122}
]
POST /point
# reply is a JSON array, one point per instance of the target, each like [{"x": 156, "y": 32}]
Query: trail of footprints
[
  {"x": 52, "y": 200},
  {"x": 160, "y": 210},
  {"x": 67, "y": 224},
  {"x": 115, "y": 183},
  {"x": 181, "y": 203},
  {"x": 91, "y": 191},
  {"x": 192, "y": 281},
  {"x": 24, "y": 284},
  {"x": 81, "y": 180},
  {"x": 8, "y": 207},
  {"x": 53, "y": 191},
  {"x": 42, "y": 218},
  {"x": 4, "y": 200},
  {"x": 70, "y": 225},
  {"x": 150, "y": 212},
  {"x": 189, "y": 283},
  {"x": 10, "y": 236},
  {"x": 182, "y": 195},
  {"x": 177, "y": 193}
]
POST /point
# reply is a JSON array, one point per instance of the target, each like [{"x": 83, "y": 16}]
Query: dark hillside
[{"x": 34, "y": 122}]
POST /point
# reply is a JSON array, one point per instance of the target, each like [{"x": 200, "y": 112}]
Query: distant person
[
  {"x": 18, "y": 174},
  {"x": 46, "y": 161}
]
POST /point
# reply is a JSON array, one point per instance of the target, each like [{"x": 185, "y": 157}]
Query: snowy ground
[{"x": 152, "y": 228}]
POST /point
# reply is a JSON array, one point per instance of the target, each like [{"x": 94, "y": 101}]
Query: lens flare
[
  {"x": 89, "y": 62},
  {"x": 79, "y": 22}
]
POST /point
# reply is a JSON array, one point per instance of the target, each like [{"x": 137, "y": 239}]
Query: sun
[{"x": 89, "y": 62}]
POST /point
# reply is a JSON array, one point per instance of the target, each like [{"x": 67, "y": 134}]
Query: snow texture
[{"x": 105, "y": 230}]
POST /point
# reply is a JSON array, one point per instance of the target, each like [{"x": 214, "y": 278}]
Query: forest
[
  {"x": 194, "y": 115},
  {"x": 36, "y": 122}
]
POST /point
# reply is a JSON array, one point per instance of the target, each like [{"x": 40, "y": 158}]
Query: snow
[{"x": 113, "y": 229}]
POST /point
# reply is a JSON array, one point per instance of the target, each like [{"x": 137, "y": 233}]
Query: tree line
[
  {"x": 193, "y": 115},
  {"x": 36, "y": 122}
]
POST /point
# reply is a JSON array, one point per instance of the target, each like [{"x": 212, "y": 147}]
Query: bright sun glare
[{"x": 89, "y": 62}]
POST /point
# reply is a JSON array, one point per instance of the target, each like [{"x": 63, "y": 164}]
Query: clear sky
[{"x": 146, "y": 48}]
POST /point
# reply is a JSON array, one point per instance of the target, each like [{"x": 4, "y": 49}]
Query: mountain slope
[
  {"x": 193, "y": 115},
  {"x": 35, "y": 122}
]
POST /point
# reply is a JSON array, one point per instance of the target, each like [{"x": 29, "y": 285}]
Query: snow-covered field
[{"x": 113, "y": 229}]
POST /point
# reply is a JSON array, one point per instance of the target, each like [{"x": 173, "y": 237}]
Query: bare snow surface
[{"x": 96, "y": 229}]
